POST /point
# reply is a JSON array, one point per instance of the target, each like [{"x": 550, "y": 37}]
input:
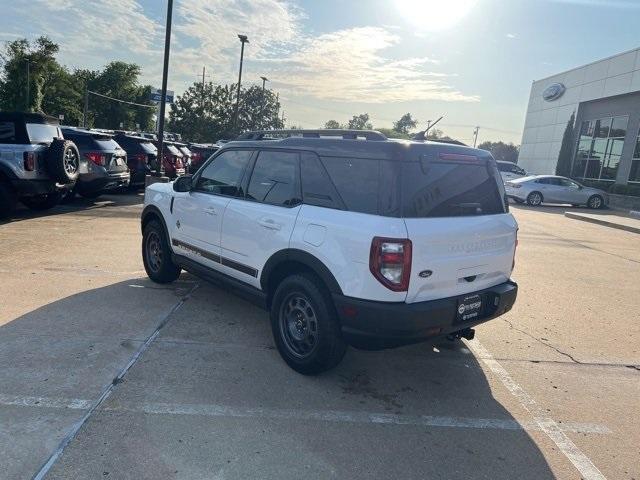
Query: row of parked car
[{"x": 43, "y": 163}]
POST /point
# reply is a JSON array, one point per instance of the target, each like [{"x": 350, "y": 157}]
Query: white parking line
[
  {"x": 209, "y": 410},
  {"x": 579, "y": 460}
]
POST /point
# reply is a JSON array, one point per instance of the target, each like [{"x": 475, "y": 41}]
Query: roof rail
[{"x": 346, "y": 134}]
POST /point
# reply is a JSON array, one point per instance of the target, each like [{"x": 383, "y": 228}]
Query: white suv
[{"x": 346, "y": 237}]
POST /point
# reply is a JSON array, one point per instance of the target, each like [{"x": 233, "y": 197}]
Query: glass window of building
[
  {"x": 600, "y": 148},
  {"x": 634, "y": 175}
]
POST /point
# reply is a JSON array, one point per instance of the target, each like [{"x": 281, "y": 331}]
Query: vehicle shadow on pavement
[
  {"x": 211, "y": 398},
  {"x": 560, "y": 209},
  {"x": 105, "y": 203}
]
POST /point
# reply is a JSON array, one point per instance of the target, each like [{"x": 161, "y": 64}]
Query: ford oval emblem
[
  {"x": 553, "y": 92},
  {"x": 425, "y": 274}
]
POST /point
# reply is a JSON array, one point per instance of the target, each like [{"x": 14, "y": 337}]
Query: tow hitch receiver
[{"x": 467, "y": 333}]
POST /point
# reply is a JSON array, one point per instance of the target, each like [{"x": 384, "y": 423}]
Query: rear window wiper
[{"x": 471, "y": 205}]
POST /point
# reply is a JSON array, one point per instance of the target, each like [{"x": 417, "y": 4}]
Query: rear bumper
[
  {"x": 106, "y": 182},
  {"x": 373, "y": 325}
]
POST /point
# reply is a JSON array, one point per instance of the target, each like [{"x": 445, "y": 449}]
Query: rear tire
[
  {"x": 535, "y": 199},
  {"x": 156, "y": 254},
  {"x": 595, "y": 202},
  {"x": 305, "y": 325},
  {"x": 8, "y": 200},
  {"x": 63, "y": 161},
  {"x": 40, "y": 203}
]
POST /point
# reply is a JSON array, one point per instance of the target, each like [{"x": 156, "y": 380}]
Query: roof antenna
[{"x": 423, "y": 134}]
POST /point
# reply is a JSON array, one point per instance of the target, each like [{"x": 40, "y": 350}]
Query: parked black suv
[
  {"x": 142, "y": 156},
  {"x": 103, "y": 163},
  {"x": 37, "y": 166}
]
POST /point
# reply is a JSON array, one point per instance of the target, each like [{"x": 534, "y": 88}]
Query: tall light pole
[
  {"x": 243, "y": 39},
  {"x": 475, "y": 136},
  {"x": 264, "y": 80},
  {"x": 159, "y": 171}
]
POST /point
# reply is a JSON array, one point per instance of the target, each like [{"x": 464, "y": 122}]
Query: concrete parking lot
[{"x": 107, "y": 375}]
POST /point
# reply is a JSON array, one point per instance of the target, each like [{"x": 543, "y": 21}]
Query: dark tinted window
[
  {"x": 357, "y": 182},
  {"x": 7, "y": 132},
  {"x": 275, "y": 179},
  {"x": 543, "y": 181},
  {"x": 317, "y": 188},
  {"x": 82, "y": 141},
  {"x": 504, "y": 167},
  {"x": 105, "y": 143},
  {"x": 224, "y": 174},
  {"x": 449, "y": 189}
]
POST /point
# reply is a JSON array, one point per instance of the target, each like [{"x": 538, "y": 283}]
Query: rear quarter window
[
  {"x": 357, "y": 180},
  {"x": 7, "y": 132},
  {"x": 449, "y": 189}
]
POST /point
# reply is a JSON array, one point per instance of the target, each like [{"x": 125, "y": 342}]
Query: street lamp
[
  {"x": 159, "y": 171},
  {"x": 243, "y": 39},
  {"x": 264, "y": 80}
]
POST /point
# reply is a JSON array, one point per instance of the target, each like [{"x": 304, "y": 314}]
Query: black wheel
[
  {"x": 8, "y": 200},
  {"x": 534, "y": 199},
  {"x": 63, "y": 161},
  {"x": 595, "y": 202},
  {"x": 305, "y": 326},
  {"x": 156, "y": 254},
  {"x": 42, "y": 202}
]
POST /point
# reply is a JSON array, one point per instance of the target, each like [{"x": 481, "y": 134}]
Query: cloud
[
  {"x": 511, "y": 35},
  {"x": 349, "y": 65}
]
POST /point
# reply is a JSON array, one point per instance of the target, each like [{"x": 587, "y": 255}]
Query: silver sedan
[{"x": 536, "y": 189}]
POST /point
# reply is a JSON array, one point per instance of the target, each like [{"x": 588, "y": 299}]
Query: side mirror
[{"x": 183, "y": 183}]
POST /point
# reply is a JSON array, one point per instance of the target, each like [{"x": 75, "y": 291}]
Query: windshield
[{"x": 39, "y": 132}]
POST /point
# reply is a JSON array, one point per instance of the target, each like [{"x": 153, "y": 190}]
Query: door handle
[
  {"x": 210, "y": 211},
  {"x": 270, "y": 224}
]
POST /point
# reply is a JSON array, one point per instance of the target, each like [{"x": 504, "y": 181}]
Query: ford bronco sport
[
  {"x": 37, "y": 166},
  {"x": 348, "y": 238}
]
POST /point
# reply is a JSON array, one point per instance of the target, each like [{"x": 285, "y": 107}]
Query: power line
[{"x": 121, "y": 101}]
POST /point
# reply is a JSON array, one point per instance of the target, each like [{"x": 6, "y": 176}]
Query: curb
[{"x": 628, "y": 228}]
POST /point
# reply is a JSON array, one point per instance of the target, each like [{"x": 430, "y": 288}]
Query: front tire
[
  {"x": 40, "y": 203},
  {"x": 595, "y": 202},
  {"x": 534, "y": 199},
  {"x": 156, "y": 254},
  {"x": 305, "y": 326}
]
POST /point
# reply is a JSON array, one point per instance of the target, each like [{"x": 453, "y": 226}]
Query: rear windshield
[
  {"x": 148, "y": 148},
  {"x": 39, "y": 133},
  {"x": 105, "y": 143},
  {"x": 173, "y": 150},
  {"x": 449, "y": 189}
]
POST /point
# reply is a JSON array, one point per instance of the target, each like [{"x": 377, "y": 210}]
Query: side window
[
  {"x": 317, "y": 188},
  {"x": 503, "y": 167},
  {"x": 543, "y": 181},
  {"x": 275, "y": 179},
  {"x": 223, "y": 175},
  {"x": 357, "y": 181},
  {"x": 7, "y": 132}
]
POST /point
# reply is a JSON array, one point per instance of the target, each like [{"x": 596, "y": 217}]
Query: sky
[{"x": 471, "y": 61}]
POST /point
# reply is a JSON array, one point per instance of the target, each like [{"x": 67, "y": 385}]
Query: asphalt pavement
[{"x": 107, "y": 375}]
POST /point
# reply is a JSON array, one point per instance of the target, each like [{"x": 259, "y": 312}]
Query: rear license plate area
[{"x": 469, "y": 308}]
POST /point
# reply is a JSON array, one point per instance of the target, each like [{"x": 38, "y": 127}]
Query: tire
[
  {"x": 156, "y": 254},
  {"x": 535, "y": 199},
  {"x": 595, "y": 202},
  {"x": 63, "y": 161},
  {"x": 40, "y": 203},
  {"x": 8, "y": 200},
  {"x": 305, "y": 325}
]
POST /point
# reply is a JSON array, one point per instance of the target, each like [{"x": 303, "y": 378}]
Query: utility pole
[
  {"x": 85, "y": 111},
  {"x": 243, "y": 39},
  {"x": 28, "y": 87},
  {"x": 475, "y": 136},
  {"x": 159, "y": 172},
  {"x": 428, "y": 127},
  {"x": 264, "y": 80}
]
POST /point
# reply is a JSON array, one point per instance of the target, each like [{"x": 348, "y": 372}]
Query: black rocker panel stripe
[{"x": 216, "y": 258}]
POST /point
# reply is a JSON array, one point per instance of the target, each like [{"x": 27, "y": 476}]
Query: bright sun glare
[{"x": 434, "y": 15}]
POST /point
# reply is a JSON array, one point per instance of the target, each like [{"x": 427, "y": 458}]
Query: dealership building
[{"x": 605, "y": 97}]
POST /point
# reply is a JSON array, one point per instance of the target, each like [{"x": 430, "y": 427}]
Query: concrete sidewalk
[{"x": 608, "y": 220}]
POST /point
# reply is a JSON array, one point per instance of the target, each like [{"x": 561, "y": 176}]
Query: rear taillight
[
  {"x": 29, "y": 161},
  {"x": 99, "y": 159},
  {"x": 140, "y": 158},
  {"x": 178, "y": 162},
  {"x": 390, "y": 262}
]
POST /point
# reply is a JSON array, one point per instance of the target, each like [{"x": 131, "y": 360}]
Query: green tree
[
  {"x": 205, "y": 113},
  {"x": 360, "y": 122},
  {"x": 40, "y": 58},
  {"x": 405, "y": 124},
  {"x": 334, "y": 124},
  {"x": 563, "y": 167},
  {"x": 507, "y": 152},
  {"x": 391, "y": 133}
]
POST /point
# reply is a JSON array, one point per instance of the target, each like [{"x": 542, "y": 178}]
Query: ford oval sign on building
[{"x": 553, "y": 92}]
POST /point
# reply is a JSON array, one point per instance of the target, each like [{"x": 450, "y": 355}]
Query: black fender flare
[
  {"x": 305, "y": 258},
  {"x": 155, "y": 211}
]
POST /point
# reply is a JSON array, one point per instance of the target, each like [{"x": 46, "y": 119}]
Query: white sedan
[{"x": 538, "y": 189}]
